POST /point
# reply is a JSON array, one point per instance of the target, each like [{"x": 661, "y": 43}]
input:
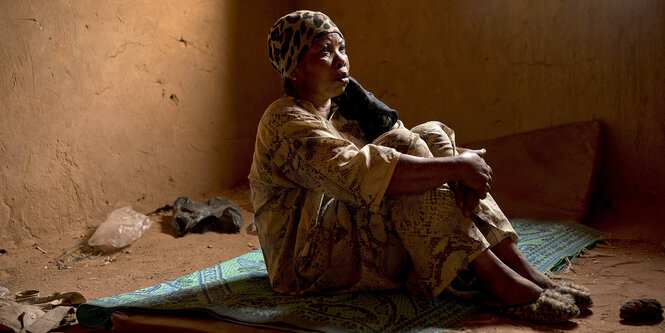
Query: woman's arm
[{"x": 418, "y": 174}]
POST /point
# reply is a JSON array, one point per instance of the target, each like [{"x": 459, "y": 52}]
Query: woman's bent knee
[
  {"x": 440, "y": 139},
  {"x": 404, "y": 141}
]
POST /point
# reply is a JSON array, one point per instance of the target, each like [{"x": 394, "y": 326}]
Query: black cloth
[{"x": 373, "y": 116}]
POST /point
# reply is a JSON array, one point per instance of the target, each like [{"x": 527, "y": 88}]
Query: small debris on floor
[
  {"x": 78, "y": 252},
  {"x": 251, "y": 229},
  {"x": 217, "y": 214},
  {"x": 642, "y": 310},
  {"x": 108, "y": 260},
  {"x": 39, "y": 248}
]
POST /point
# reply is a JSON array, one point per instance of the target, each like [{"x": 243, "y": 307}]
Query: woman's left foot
[
  {"x": 580, "y": 294},
  {"x": 549, "y": 308}
]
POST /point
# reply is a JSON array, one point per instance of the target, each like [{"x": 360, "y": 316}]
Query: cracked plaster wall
[{"x": 141, "y": 102}]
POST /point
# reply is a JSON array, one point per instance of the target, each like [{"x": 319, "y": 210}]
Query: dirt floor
[{"x": 615, "y": 271}]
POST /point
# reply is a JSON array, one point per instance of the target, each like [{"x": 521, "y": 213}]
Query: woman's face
[{"x": 324, "y": 69}]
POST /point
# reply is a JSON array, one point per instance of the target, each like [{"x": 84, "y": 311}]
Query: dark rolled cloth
[{"x": 373, "y": 116}]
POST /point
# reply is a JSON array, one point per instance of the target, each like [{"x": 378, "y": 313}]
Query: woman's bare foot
[
  {"x": 504, "y": 285},
  {"x": 507, "y": 251}
]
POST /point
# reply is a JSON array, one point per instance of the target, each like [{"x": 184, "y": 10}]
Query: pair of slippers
[
  {"x": 557, "y": 304},
  {"x": 554, "y": 305}
]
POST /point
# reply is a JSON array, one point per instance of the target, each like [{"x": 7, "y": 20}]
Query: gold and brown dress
[{"x": 324, "y": 221}]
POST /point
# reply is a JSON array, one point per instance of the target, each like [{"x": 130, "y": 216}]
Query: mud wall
[
  {"x": 141, "y": 102},
  {"x": 493, "y": 68},
  {"x": 138, "y": 102}
]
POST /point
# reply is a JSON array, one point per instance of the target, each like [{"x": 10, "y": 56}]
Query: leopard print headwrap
[{"x": 292, "y": 35}]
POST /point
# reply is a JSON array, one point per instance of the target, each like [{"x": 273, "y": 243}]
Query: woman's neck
[{"x": 323, "y": 109}]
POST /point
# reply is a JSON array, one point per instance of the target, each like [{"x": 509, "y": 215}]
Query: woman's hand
[
  {"x": 415, "y": 174},
  {"x": 466, "y": 198},
  {"x": 475, "y": 173}
]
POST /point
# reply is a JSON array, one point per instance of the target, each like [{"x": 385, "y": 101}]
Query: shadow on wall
[{"x": 251, "y": 82}]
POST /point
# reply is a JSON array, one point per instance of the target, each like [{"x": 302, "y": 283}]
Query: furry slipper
[
  {"x": 581, "y": 295},
  {"x": 548, "y": 308},
  {"x": 562, "y": 297}
]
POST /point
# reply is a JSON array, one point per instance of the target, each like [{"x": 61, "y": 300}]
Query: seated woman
[{"x": 347, "y": 199}]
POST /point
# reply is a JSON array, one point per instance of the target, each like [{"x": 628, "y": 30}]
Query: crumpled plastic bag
[{"x": 121, "y": 228}]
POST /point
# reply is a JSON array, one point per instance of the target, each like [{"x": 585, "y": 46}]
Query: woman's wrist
[{"x": 454, "y": 167}]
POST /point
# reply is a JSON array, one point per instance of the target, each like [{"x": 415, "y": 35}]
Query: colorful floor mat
[{"x": 238, "y": 290}]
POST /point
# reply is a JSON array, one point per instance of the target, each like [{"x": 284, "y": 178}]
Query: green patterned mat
[{"x": 238, "y": 290}]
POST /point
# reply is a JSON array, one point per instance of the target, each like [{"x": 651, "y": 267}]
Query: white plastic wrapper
[{"x": 121, "y": 228}]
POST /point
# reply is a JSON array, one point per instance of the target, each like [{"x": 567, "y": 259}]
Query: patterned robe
[{"x": 324, "y": 221}]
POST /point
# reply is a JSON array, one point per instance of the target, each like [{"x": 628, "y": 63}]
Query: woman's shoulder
[
  {"x": 287, "y": 104},
  {"x": 283, "y": 102},
  {"x": 284, "y": 109}
]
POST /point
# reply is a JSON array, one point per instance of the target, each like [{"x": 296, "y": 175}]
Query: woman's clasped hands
[{"x": 475, "y": 180}]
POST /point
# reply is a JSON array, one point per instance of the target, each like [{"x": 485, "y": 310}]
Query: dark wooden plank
[{"x": 545, "y": 174}]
